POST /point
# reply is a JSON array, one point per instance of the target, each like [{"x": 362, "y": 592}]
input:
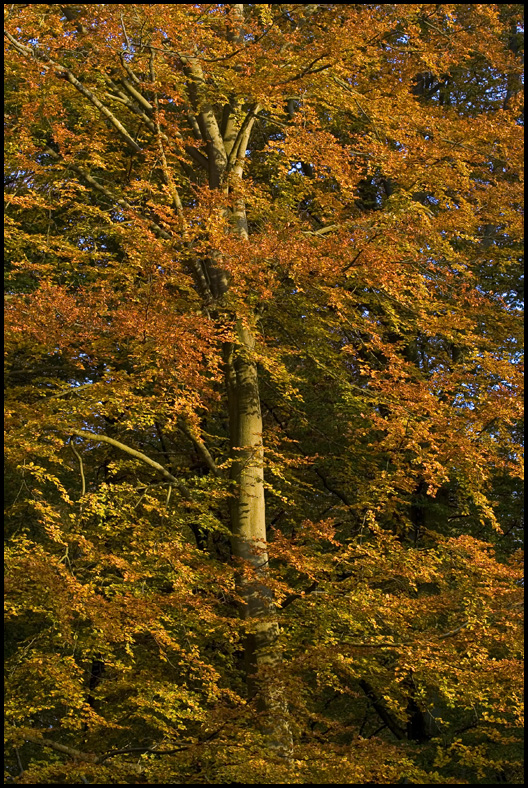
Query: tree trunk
[
  {"x": 248, "y": 521},
  {"x": 227, "y": 142}
]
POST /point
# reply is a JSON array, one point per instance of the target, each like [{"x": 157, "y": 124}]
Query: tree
[{"x": 263, "y": 375}]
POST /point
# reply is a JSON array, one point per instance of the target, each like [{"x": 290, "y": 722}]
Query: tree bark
[
  {"x": 249, "y": 543},
  {"x": 227, "y": 143}
]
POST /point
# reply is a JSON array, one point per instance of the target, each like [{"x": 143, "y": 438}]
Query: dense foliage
[{"x": 263, "y": 409}]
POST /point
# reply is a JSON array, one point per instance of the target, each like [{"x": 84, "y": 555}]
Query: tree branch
[
  {"x": 166, "y": 172},
  {"x": 138, "y": 455},
  {"x": 382, "y": 712},
  {"x": 328, "y": 485},
  {"x": 133, "y": 108},
  {"x": 81, "y": 467},
  {"x": 155, "y": 751},
  {"x": 198, "y": 157},
  {"x": 207, "y": 122},
  {"x": 292, "y": 597},
  {"x": 306, "y": 72},
  {"x": 239, "y": 148},
  {"x": 65, "y": 73},
  {"x": 103, "y": 190},
  {"x": 201, "y": 447},
  {"x": 139, "y": 97},
  {"x": 89, "y": 757},
  {"x": 88, "y": 178},
  {"x": 197, "y": 272}
]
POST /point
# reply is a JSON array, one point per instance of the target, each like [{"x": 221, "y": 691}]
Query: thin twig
[
  {"x": 305, "y": 73},
  {"x": 81, "y": 467},
  {"x": 123, "y": 28},
  {"x": 166, "y": 171},
  {"x": 112, "y": 197}
]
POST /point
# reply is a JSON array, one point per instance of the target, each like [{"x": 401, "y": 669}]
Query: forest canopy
[{"x": 263, "y": 390}]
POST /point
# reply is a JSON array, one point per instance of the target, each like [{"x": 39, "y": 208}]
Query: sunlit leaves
[{"x": 380, "y": 278}]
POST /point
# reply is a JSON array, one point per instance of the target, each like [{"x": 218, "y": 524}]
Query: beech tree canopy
[{"x": 263, "y": 393}]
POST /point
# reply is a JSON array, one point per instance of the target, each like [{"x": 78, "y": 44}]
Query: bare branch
[
  {"x": 293, "y": 597},
  {"x": 201, "y": 282},
  {"x": 22, "y": 48},
  {"x": 81, "y": 467},
  {"x": 138, "y": 455},
  {"x": 69, "y": 390},
  {"x": 238, "y": 151},
  {"x": 129, "y": 71},
  {"x": 65, "y": 73},
  {"x": 88, "y": 178},
  {"x": 322, "y": 231},
  {"x": 195, "y": 154},
  {"x": 382, "y": 712},
  {"x": 237, "y": 35},
  {"x": 306, "y": 71},
  {"x": 201, "y": 447},
  {"x": 123, "y": 28},
  {"x": 155, "y": 751},
  {"x": 166, "y": 172},
  {"x": 136, "y": 94},
  {"x": 207, "y": 122},
  {"x": 193, "y": 123},
  {"x": 89, "y": 757},
  {"x": 455, "y": 631}
]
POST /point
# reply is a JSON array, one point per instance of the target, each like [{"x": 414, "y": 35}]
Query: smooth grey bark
[
  {"x": 226, "y": 154},
  {"x": 249, "y": 544}
]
